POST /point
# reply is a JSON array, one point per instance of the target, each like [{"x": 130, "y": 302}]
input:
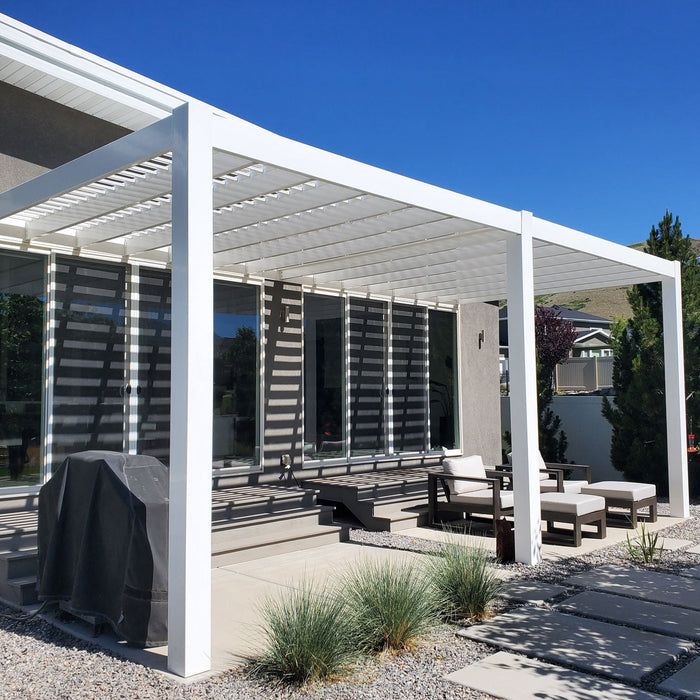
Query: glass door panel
[
  {"x": 408, "y": 377},
  {"x": 324, "y": 377},
  {"x": 89, "y": 358},
  {"x": 368, "y": 386},
  {"x": 153, "y": 374},
  {"x": 22, "y": 307},
  {"x": 236, "y": 439}
]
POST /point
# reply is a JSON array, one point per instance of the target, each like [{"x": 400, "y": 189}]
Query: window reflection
[
  {"x": 324, "y": 377},
  {"x": 22, "y": 302},
  {"x": 236, "y": 375},
  {"x": 442, "y": 341}
]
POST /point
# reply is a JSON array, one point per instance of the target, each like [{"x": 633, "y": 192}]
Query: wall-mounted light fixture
[
  {"x": 481, "y": 338},
  {"x": 285, "y": 315}
]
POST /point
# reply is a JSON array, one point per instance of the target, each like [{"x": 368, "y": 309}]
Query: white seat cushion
[
  {"x": 572, "y": 486},
  {"x": 483, "y": 497},
  {"x": 571, "y": 503},
  {"x": 465, "y": 466},
  {"x": 625, "y": 490}
]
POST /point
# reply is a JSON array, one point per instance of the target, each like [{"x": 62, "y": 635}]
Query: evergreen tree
[{"x": 637, "y": 412}]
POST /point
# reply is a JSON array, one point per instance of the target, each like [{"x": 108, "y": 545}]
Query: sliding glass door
[{"x": 22, "y": 309}]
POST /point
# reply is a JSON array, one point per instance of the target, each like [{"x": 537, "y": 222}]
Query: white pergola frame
[{"x": 328, "y": 222}]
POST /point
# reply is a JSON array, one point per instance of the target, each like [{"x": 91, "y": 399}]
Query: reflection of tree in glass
[
  {"x": 240, "y": 362},
  {"x": 21, "y": 324}
]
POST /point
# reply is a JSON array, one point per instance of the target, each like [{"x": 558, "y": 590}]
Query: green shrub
[
  {"x": 463, "y": 580},
  {"x": 306, "y": 635},
  {"x": 389, "y": 604}
]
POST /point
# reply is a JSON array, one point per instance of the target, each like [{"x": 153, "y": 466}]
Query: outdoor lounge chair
[
  {"x": 553, "y": 476},
  {"x": 469, "y": 488}
]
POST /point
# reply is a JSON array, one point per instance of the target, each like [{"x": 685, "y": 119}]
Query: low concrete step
[
  {"x": 276, "y": 527},
  {"x": 19, "y": 591},
  {"x": 262, "y": 535},
  {"x": 19, "y": 563},
  {"x": 18, "y": 530},
  {"x": 330, "y": 535}
]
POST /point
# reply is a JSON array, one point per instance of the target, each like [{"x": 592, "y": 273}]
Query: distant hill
[{"x": 608, "y": 303}]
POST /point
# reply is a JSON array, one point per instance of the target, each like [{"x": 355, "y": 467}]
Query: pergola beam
[{"x": 100, "y": 163}]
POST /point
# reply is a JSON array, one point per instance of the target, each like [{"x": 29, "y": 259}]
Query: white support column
[
  {"x": 523, "y": 395},
  {"x": 189, "y": 571},
  {"x": 675, "y": 395}
]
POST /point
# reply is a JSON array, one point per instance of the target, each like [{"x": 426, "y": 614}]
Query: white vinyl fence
[{"x": 587, "y": 432}]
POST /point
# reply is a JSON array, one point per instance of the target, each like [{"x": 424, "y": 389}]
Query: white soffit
[{"x": 45, "y": 66}]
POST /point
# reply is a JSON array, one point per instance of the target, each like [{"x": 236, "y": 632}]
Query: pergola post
[
  {"x": 189, "y": 566},
  {"x": 675, "y": 395},
  {"x": 523, "y": 394}
]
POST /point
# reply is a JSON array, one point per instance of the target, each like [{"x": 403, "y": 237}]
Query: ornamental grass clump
[
  {"x": 463, "y": 580},
  {"x": 389, "y": 605},
  {"x": 306, "y": 636},
  {"x": 645, "y": 547}
]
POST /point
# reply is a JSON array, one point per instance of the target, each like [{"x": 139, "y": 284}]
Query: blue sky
[{"x": 586, "y": 113}]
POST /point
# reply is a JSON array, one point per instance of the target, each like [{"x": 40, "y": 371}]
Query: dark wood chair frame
[
  {"x": 597, "y": 516},
  {"x": 495, "y": 480},
  {"x": 633, "y": 507}
]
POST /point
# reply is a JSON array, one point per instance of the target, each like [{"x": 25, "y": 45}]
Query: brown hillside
[{"x": 608, "y": 303}]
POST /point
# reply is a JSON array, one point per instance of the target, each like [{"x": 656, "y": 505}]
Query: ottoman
[
  {"x": 626, "y": 494},
  {"x": 576, "y": 509}
]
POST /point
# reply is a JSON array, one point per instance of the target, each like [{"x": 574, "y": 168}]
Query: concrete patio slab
[
  {"x": 691, "y": 573},
  {"x": 587, "y": 645},
  {"x": 646, "y": 585},
  {"x": 655, "y": 617},
  {"x": 694, "y": 550},
  {"x": 672, "y": 545},
  {"x": 512, "y": 677},
  {"x": 532, "y": 591},
  {"x": 685, "y": 682},
  {"x": 550, "y": 552},
  {"x": 239, "y": 589}
]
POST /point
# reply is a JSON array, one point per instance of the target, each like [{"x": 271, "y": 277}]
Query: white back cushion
[
  {"x": 465, "y": 466},
  {"x": 540, "y": 464}
]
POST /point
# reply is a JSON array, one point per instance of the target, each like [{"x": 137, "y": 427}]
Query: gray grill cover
[{"x": 103, "y": 542}]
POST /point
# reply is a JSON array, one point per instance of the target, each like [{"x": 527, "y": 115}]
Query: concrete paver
[
  {"x": 685, "y": 682},
  {"x": 643, "y": 584},
  {"x": 694, "y": 550},
  {"x": 512, "y": 677},
  {"x": 691, "y": 573},
  {"x": 532, "y": 591},
  {"x": 587, "y": 645},
  {"x": 671, "y": 544},
  {"x": 655, "y": 617}
]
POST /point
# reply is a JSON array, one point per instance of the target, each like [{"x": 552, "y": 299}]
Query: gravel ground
[{"x": 40, "y": 661}]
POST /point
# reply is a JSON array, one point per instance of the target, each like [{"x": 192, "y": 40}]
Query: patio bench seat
[
  {"x": 575, "y": 509},
  {"x": 484, "y": 497},
  {"x": 569, "y": 485},
  {"x": 629, "y": 495}
]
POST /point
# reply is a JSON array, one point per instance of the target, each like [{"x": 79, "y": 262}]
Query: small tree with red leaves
[{"x": 554, "y": 338}]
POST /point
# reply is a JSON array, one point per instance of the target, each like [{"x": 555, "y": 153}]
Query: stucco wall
[
  {"x": 480, "y": 408},
  {"x": 37, "y": 134}
]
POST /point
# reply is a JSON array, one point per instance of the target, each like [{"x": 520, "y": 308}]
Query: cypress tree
[{"x": 637, "y": 411}]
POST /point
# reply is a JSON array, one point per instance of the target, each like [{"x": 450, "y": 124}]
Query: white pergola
[{"x": 210, "y": 194}]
